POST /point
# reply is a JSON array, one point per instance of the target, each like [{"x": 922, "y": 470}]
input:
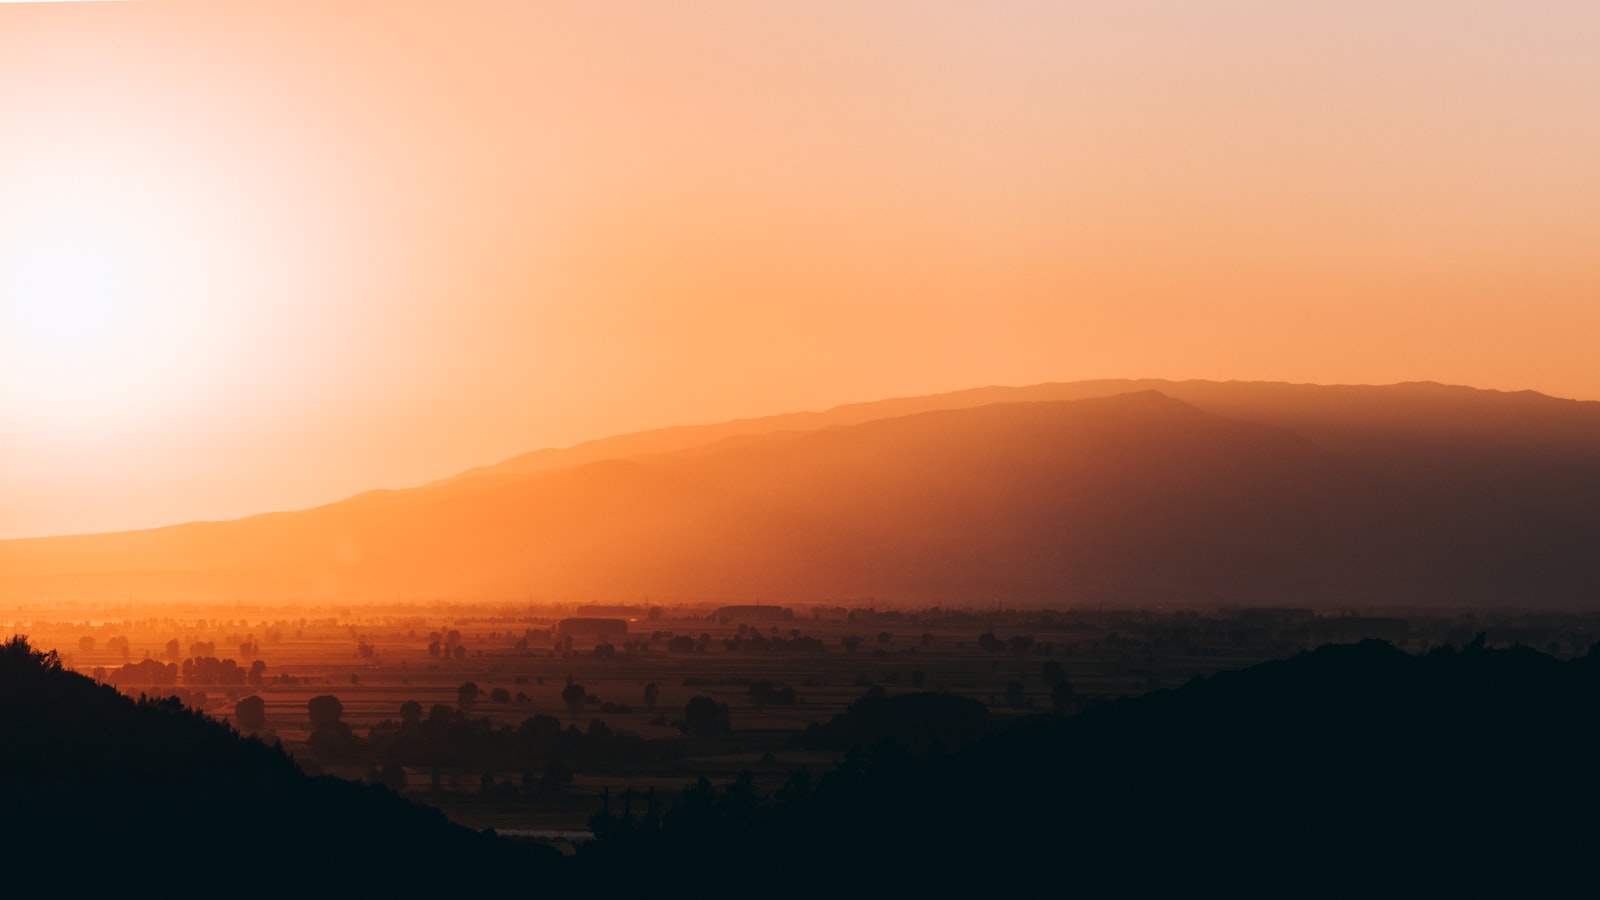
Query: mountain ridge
[{"x": 1291, "y": 494}]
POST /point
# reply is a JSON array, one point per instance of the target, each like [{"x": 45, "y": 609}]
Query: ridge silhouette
[{"x": 1202, "y": 493}]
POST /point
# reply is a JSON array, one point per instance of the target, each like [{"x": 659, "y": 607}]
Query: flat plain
[{"x": 634, "y": 745}]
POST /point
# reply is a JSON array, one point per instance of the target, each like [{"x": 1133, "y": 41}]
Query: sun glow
[
  {"x": 71, "y": 290},
  {"x": 92, "y": 325}
]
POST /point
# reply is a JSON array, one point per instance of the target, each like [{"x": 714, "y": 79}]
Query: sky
[{"x": 263, "y": 255}]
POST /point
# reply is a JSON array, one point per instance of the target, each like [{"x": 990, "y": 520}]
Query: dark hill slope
[
  {"x": 100, "y": 791},
  {"x": 1347, "y": 770}
]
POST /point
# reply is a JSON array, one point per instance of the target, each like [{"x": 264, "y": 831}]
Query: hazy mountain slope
[
  {"x": 1137, "y": 498},
  {"x": 1373, "y": 417}
]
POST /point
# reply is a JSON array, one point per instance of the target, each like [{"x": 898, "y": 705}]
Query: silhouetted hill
[
  {"x": 1203, "y": 493},
  {"x": 1347, "y": 770},
  {"x": 104, "y": 793}
]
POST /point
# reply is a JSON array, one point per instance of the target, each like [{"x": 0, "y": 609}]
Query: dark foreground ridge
[
  {"x": 1348, "y": 769},
  {"x": 101, "y": 791}
]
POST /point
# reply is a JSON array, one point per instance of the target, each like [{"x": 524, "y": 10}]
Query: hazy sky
[{"x": 264, "y": 255}]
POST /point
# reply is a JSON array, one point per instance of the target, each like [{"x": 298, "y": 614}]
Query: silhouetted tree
[
  {"x": 411, "y": 714},
  {"x": 556, "y": 779},
  {"x": 251, "y": 713},
  {"x": 467, "y": 695},
  {"x": 329, "y": 735},
  {"x": 393, "y": 777},
  {"x": 762, "y": 693},
  {"x": 1051, "y": 672},
  {"x": 1061, "y": 695},
  {"x": 17, "y": 656},
  {"x": 703, "y": 715},
  {"x": 652, "y": 693},
  {"x": 539, "y": 733},
  {"x": 1014, "y": 693},
  {"x": 324, "y": 710},
  {"x": 573, "y": 695}
]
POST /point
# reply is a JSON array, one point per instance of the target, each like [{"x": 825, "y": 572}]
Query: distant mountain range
[{"x": 1136, "y": 493}]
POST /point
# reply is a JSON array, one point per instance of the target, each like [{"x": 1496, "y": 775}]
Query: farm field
[{"x": 498, "y": 737}]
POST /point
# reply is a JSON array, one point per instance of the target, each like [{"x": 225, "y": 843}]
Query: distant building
[
  {"x": 588, "y": 628},
  {"x": 611, "y": 610},
  {"x": 754, "y": 613}
]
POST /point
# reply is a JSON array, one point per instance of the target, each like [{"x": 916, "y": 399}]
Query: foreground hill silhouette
[
  {"x": 1348, "y": 770},
  {"x": 101, "y": 791},
  {"x": 1354, "y": 768},
  {"x": 1194, "y": 493}
]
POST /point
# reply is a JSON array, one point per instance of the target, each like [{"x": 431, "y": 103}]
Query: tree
[
  {"x": 325, "y": 711},
  {"x": 573, "y": 695},
  {"x": 251, "y": 713},
  {"x": 652, "y": 693},
  {"x": 174, "y": 650},
  {"x": 466, "y": 695},
  {"x": 1051, "y": 672},
  {"x": 500, "y": 695},
  {"x": 393, "y": 777},
  {"x": 763, "y": 694},
  {"x": 1013, "y": 693},
  {"x": 540, "y": 732},
  {"x": 86, "y": 643},
  {"x": 1061, "y": 695},
  {"x": 703, "y": 715},
  {"x": 410, "y": 715},
  {"x": 556, "y": 779},
  {"x": 18, "y": 656}
]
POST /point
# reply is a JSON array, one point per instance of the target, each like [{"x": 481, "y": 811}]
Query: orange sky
[{"x": 263, "y": 255}]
